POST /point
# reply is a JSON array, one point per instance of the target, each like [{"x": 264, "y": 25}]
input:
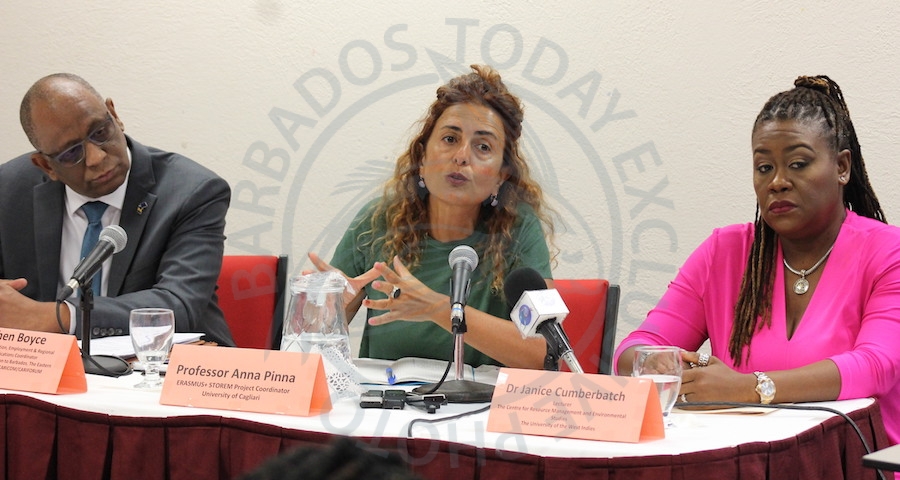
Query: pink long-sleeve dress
[{"x": 853, "y": 317}]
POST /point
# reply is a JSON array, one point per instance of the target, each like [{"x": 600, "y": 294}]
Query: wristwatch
[{"x": 765, "y": 387}]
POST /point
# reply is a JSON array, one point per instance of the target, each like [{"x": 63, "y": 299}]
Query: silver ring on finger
[
  {"x": 703, "y": 360},
  {"x": 395, "y": 293}
]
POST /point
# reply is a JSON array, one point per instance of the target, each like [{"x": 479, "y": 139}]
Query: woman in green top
[{"x": 462, "y": 181}]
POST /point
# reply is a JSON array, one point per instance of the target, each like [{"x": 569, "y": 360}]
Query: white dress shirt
[{"x": 75, "y": 223}]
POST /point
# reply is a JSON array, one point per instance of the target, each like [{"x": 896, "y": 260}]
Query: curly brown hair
[
  {"x": 404, "y": 210},
  {"x": 818, "y": 99}
]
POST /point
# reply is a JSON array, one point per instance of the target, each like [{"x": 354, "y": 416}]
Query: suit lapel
[
  {"x": 136, "y": 210},
  {"x": 49, "y": 208}
]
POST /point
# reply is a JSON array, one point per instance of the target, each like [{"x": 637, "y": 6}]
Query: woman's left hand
[
  {"x": 714, "y": 382},
  {"x": 355, "y": 285},
  {"x": 408, "y": 298}
]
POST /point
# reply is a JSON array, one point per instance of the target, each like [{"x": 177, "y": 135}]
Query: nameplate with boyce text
[
  {"x": 246, "y": 379},
  {"x": 574, "y": 405},
  {"x": 40, "y": 362}
]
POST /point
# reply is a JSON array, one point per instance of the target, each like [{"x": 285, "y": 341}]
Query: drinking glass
[
  {"x": 662, "y": 364},
  {"x": 152, "y": 330}
]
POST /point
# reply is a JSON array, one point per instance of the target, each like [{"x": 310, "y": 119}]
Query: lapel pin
[{"x": 141, "y": 207}]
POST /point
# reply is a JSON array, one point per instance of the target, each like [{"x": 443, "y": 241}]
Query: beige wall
[{"x": 677, "y": 87}]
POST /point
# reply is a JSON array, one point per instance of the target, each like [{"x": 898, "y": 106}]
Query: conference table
[{"x": 116, "y": 431}]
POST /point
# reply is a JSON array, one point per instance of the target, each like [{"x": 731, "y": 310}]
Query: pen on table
[{"x": 390, "y": 376}]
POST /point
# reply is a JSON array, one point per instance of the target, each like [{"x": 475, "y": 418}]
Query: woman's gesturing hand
[
  {"x": 354, "y": 285},
  {"x": 408, "y": 298}
]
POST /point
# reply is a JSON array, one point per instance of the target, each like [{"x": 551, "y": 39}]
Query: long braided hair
[{"x": 814, "y": 99}]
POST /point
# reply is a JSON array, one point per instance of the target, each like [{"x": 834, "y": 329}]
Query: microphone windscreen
[
  {"x": 115, "y": 235},
  {"x": 521, "y": 280},
  {"x": 465, "y": 254}
]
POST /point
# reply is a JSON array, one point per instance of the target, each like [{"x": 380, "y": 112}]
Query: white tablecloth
[{"x": 693, "y": 432}]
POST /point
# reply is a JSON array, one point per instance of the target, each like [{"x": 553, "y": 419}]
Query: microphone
[
  {"x": 463, "y": 260},
  {"x": 112, "y": 240},
  {"x": 539, "y": 311}
]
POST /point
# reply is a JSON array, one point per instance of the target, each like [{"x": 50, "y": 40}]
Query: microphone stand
[
  {"x": 558, "y": 347},
  {"x": 551, "y": 361},
  {"x": 106, "y": 365},
  {"x": 459, "y": 390}
]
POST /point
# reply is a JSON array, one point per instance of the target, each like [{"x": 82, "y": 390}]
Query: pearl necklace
[{"x": 801, "y": 286}]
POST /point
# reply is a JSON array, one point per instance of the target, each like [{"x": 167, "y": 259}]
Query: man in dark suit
[{"x": 171, "y": 208}]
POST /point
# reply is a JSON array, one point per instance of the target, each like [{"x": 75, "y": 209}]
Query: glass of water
[
  {"x": 662, "y": 364},
  {"x": 152, "y": 330}
]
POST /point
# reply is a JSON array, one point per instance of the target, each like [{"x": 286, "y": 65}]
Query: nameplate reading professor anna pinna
[{"x": 246, "y": 379}]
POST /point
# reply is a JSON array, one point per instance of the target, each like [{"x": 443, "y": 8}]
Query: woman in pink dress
[{"x": 803, "y": 304}]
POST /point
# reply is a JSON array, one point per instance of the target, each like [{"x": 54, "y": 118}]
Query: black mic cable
[
  {"x": 410, "y": 425},
  {"x": 786, "y": 406},
  {"x": 443, "y": 377}
]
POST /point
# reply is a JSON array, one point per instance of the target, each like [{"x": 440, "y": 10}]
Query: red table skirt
[{"x": 45, "y": 441}]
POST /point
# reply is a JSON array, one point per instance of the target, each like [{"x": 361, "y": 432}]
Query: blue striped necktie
[{"x": 94, "y": 212}]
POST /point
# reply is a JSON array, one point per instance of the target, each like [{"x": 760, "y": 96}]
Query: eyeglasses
[{"x": 75, "y": 154}]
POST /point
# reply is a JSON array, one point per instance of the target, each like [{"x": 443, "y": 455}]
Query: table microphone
[
  {"x": 463, "y": 260},
  {"x": 539, "y": 312},
  {"x": 112, "y": 240}
]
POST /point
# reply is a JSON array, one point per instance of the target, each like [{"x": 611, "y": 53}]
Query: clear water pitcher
[{"x": 316, "y": 323}]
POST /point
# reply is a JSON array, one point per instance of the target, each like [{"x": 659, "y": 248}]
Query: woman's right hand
[{"x": 354, "y": 291}]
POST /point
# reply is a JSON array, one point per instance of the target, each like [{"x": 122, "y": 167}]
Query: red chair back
[
  {"x": 591, "y": 323},
  {"x": 251, "y": 295}
]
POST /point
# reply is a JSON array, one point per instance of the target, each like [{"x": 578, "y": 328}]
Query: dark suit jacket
[{"x": 174, "y": 216}]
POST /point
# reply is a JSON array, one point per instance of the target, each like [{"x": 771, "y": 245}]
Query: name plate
[
  {"x": 573, "y": 405},
  {"x": 40, "y": 362},
  {"x": 246, "y": 379}
]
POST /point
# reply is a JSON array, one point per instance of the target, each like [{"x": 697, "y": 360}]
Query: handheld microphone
[
  {"x": 539, "y": 311},
  {"x": 463, "y": 261},
  {"x": 112, "y": 240}
]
